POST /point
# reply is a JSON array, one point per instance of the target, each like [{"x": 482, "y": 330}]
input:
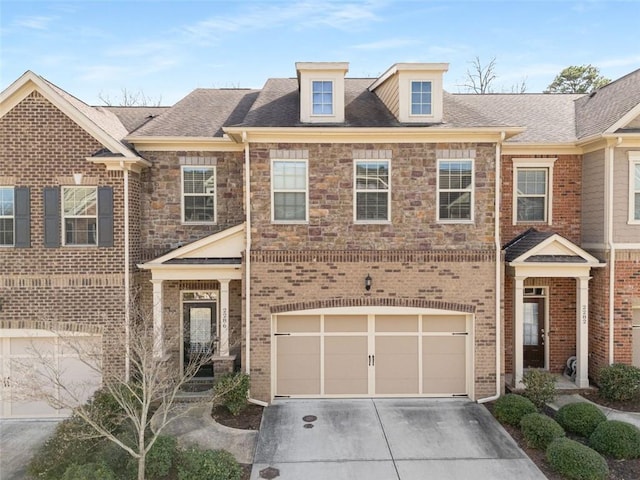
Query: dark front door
[
  {"x": 533, "y": 329},
  {"x": 199, "y": 336}
]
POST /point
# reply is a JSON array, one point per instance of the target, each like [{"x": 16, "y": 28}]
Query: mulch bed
[
  {"x": 618, "y": 469},
  {"x": 631, "y": 406}
]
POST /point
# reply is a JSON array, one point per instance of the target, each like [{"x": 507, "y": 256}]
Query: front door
[
  {"x": 199, "y": 335},
  {"x": 533, "y": 349}
]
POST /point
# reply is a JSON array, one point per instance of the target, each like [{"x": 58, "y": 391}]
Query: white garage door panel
[
  {"x": 444, "y": 365},
  {"x": 345, "y": 365},
  {"x": 396, "y": 365},
  {"x": 298, "y": 365},
  {"x": 369, "y": 355},
  {"x": 27, "y": 380}
]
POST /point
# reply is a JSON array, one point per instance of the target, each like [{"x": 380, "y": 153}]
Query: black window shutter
[
  {"x": 105, "y": 217},
  {"x": 51, "y": 217},
  {"x": 22, "y": 217}
]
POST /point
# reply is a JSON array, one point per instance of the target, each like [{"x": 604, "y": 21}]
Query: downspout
[
  {"x": 612, "y": 248},
  {"x": 127, "y": 286},
  {"x": 498, "y": 272},
  {"x": 247, "y": 257}
]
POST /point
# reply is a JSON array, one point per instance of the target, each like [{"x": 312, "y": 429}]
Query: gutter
[
  {"x": 247, "y": 256},
  {"x": 498, "y": 183}
]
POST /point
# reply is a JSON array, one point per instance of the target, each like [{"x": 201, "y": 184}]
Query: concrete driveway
[
  {"x": 19, "y": 440},
  {"x": 386, "y": 439}
]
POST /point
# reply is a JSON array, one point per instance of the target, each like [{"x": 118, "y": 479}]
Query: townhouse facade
[{"x": 334, "y": 236}]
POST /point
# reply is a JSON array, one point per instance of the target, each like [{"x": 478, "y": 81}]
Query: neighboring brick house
[{"x": 336, "y": 236}]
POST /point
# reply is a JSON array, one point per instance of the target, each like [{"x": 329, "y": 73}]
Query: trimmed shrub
[
  {"x": 511, "y": 408},
  {"x": 88, "y": 471},
  {"x": 209, "y": 464},
  {"x": 232, "y": 389},
  {"x": 616, "y": 439},
  {"x": 580, "y": 417},
  {"x": 540, "y": 430},
  {"x": 68, "y": 445},
  {"x": 619, "y": 382},
  {"x": 540, "y": 387},
  {"x": 576, "y": 461},
  {"x": 161, "y": 457}
]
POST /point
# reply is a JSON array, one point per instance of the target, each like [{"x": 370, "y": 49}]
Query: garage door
[
  {"x": 23, "y": 354},
  {"x": 359, "y": 355}
]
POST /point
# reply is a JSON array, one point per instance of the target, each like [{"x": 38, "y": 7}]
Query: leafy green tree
[{"x": 577, "y": 79}]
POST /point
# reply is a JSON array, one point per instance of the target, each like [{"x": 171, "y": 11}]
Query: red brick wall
[
  {"x": 567, "y": 191},
  {"x": 41, "y": 147},
  {"x": 627, "y": 286}
]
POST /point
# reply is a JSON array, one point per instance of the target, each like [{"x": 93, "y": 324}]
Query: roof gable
[
  {"x": 101, "y": 124},
  {"x": 546, "y": 247}
]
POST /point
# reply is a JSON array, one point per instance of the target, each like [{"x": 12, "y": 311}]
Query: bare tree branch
[
  {"x": 129, "y": 98},
  {"x": 480, "y": 77}
]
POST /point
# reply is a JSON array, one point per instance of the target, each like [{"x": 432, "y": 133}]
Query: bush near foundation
[
  {"x": 616, "y": 439},
  {"x": 232, "y": 389},
  {"x": 539, "y": 430},
  {"x": 539, "y": 387},
  {"x": 209, "y": 464},
  {"x": 580, "y": 417},
  {"x": 619, "y": 382},
  {"x": 89, "y": 471},
  {"x": 511, "y": 408},
  {"x": 576, "y": 461}
]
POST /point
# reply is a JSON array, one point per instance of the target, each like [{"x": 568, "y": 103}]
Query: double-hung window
[
  {"x": 634, "y": 187},
  {"x": 532, "y": 181},
  {"x": 420, "y": 98},
  {"x": 199, "y": 194},
  {"x": 322, "y": 97},
  {"x": 372, "y": 191},
  {"x": 80, "y": 215},
  {"x": 455, "y": 190},
  {"x": 7, "y": 216},
  {"x": 289, "y": 181}
]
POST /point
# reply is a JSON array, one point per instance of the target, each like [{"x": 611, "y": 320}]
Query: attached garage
[
  {"x": 359, "y": 352},
  {"x": 23, "y": 355}
]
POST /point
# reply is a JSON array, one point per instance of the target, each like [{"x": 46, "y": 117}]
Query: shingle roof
[
  {"x": 599, "y": 111},
  {"x": 546, "y": 117},
  {"x": 134, "y": 117},
  {"x": 202, "y": 113},
  {"x": 524, "y": 243}
]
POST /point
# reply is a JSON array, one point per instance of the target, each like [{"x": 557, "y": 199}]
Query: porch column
[
  {"x": 518, "y": 335},
  {"x": 224, "y": 318},
  {"x": 158, "y": 336},
  {"x": 582, "y": 332}
]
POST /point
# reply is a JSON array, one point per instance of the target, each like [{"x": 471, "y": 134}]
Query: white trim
[
  {"x": 545, "y": 296},
  {"x": 634, "y": 162},
  {"x": 182, "y": 302},
  {"x": 533, "y": 163},
  {"x": 283, "y": 190},
  {"x": 12, "y": 217},
  {"x": 624, "y": 120},
  {"x": 356, "y": 191},
  {"x": 215, "y": 195},
  {"x": 472, "y": 191},
  {"x": 63, "y": 217}
]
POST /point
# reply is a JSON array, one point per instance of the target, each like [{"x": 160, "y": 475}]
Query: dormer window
[
  {"x": 322, "y": 97},
  {"x": 420, "y": 98}
]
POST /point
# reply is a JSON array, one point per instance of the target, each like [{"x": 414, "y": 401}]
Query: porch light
[{"x": 367, "y": 282}]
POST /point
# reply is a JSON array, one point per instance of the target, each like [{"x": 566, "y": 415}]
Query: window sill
[
  {"x": 289, "y": 222},
  {"x": 456, "y": 222},
  {"x": 198, "y": 223},
  {"x": 372, "y": 222}
]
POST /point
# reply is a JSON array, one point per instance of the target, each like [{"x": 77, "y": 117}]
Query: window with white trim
[
  {"x": 372, "y": 190},
  {"x": 421, "y": 98},
  {"x": 198, "y": 194},
  {"x": 289, "y": 193},
  {"x": 455, "y": 190},
  {"x": 7, "y": 216},
  {"x": 532, "y": 190},
  {"x": 322, "y": 97},
  {"x": 634, "y": 187},
  {"x": 80, "y": 215}
]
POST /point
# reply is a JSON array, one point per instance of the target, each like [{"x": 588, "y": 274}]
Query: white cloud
[
  {"x": 619, "y": 62},
  {"x": 36, "y": 22},
  {"x": 387, "y": 44}
]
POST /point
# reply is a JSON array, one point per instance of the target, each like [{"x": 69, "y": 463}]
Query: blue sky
[{"x": 168, "y": 48}]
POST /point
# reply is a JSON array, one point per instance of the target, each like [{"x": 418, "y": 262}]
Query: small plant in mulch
[
  {"x": 616, "y": 439},
  {"x": 580, "y": 417},
  {"x": 233, "y": 391},
  {"x": 539, "y": 430},
  {"x": 619, "y": 382},
  {"x": 540, "y": 387},
  {"x": 576, "y": 461},
  {"x": 511, "y": 408}
]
